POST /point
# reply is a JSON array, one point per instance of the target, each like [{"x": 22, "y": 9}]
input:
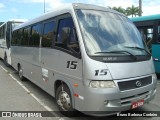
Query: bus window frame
[{"x": 69, "y": 51}]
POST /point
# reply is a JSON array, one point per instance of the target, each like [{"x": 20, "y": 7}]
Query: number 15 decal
[
  {"x": 101, "y": 72},
  {"x": 72, "y": 65}
]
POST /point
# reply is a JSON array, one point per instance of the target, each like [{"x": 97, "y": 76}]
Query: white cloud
[
  {"x": 2, "y": 6},
  {"x": 54, "y": 4},
  {"x": 149, "y": 6},
  {"x": 150, "y": 10},
  {"x": 50, "y": 4},
  {"x": 113, "y": 3},
  {"x": 14, "y": 10}
]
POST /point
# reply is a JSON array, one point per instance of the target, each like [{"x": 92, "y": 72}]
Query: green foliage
[
  {"x": 130, "y": 11},
  {"x": 1, "y": 23},
  {"x": 119, "y": 9}
]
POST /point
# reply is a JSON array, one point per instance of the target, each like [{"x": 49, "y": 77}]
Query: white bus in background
[
  {"x": 5, "y": 38},
  {"x": 90, "y": 58}
]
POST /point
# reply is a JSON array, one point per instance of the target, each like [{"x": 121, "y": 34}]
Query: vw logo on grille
[{"x": 138, "y": 84}]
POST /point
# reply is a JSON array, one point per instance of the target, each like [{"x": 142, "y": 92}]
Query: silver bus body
[
  {"x": 5, "y": 38},
  {"x": 100, "y": 83}
]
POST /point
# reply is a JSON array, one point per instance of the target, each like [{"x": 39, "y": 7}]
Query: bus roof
[
  {"x": 146, "y": 18},
  {"x": 14, "y": 20},
  {"x": 17, "y": 20},
  {"x": 64, "y": 9}
]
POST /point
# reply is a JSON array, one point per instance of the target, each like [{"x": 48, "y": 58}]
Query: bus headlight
[{"x": 102, "y": 84}]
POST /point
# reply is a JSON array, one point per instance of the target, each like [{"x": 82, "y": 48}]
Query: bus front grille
[{"x": 133, "y": 84}]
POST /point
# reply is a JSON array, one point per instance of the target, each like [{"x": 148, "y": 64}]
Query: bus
[
  {"x": 5, "y": 38},
  {"x": 149, "y": 27},
  {"x": 90, "y": 58}
]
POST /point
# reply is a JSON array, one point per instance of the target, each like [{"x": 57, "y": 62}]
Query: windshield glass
[{"x": 104, "y": 32}]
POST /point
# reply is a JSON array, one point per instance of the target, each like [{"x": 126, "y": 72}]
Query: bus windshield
[{"x": 105, "y": 33}]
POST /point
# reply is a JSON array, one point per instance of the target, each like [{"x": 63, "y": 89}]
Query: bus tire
[
  {"x": 20, "y": 73},
  {"x": 64, "y": 101}
]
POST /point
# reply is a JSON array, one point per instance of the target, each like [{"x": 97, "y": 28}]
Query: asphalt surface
[{"x": 17, "y": 95}]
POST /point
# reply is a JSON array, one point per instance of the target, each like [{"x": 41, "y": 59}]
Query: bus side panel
[
  {"x": 2, "y": 47},
  {"x": 28, "y": 58},
  {"x": 44, "y": 66},
  {"x": 156, "y": 57},
  {"x": 63, "y": 66}
]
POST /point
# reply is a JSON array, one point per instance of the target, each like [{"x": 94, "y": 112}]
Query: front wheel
[{"x": 64, "y": 101}]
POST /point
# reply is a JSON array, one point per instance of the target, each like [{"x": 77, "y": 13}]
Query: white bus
[
  {"x": 5, "y": 38},
  {"x": 90, "y": 58}
]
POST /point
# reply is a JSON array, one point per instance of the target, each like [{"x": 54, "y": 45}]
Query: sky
[{"x": 29, "y": 9}]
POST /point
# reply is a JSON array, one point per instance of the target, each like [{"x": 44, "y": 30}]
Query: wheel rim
[{"x": 64, "y": 101}]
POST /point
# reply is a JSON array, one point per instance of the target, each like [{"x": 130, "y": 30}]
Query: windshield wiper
[
  {"x": 119, "y": 52},
  {"x": 138, "y": 49}
]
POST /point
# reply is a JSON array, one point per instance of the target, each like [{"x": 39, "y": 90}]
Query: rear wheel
[
  {"x": 5, "y": 60},
  {"x": 20, "y": 73},
  {"x": 64, "y": 101}
]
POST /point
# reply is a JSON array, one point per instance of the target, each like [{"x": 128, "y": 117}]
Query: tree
[
  {"x": 134, "y": 11},
  {"x": 1, "y": 23},
  {"x": 119, "y": 9}
]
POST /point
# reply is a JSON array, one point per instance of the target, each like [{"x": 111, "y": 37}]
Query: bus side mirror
[{"x": 65, "y": 35}]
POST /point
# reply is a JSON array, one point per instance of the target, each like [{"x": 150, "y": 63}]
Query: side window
[
  {"x": 72, "y": 43},
  {"x": 2, "y": 31},
  {"x": 149, "y": 37},
  {"x": 26, "y": 33},
  {"x": 19, "y": 37},
  {"x": 158, "y": 40},
  {"x": 35, "y": 35},
  {"x": 48, "y": 30},
  {"x": 147, "y": 34},
  {"x": 8, "y": 34},
  {"x": 14, "y": 39}
]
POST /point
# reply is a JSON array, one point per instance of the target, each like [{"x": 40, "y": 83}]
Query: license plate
[{"x": 137, "y": 104}]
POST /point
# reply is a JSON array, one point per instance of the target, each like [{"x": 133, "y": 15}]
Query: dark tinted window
[
  {"x": 72, "y": 43},
  {"x": 67, "y": 22},
  {"x": 14, "y": 38},
  {"x": 35, "y": 36},
  {"x": 147, "y": 35},
  {"x": 48, "y": 30},
  {"x": 158, "y": 39},
  {"x": 19, "y": 37},
  {"x": 8, "y": 34},
  {"x": 2, "y": 32},
  {"x": 26, "y": 35}
]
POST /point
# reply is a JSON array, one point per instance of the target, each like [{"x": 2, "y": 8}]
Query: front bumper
[{"x": 117, "y": 101}]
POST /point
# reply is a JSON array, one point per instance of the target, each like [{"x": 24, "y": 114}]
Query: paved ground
[{"x": 16, "y": 95}]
